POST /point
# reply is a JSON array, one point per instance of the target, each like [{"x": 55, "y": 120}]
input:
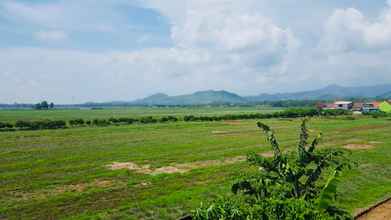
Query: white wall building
[{"x": 345, "y": 105}]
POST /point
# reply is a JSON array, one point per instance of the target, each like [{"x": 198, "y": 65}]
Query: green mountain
[
  {"x": 328, "y": 93},
  {"x": 386, "y": 95},
  {"x": 197, "y": 98},
  {"x": 331, "y": 92}
]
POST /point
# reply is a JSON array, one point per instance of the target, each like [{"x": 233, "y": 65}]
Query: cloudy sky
[{"x": 71, "y": 51}]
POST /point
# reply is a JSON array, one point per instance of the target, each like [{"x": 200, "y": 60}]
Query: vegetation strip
[
  {"x": 62, "y": 124},
  {"x": 370, "y": 209}
]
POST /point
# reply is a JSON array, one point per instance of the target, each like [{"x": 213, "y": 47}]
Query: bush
[
  {"x": 6, "y": 125},
  {"x": 37, "y": 125},
  {"x": 335, "y": 112},
  {"x": 76, "y": 122},
  {"x": 100, "y": 122},
  {"x": 58, "y": 124},
  {"x": 148, "y": 120},
  {"x": 376, "y": 114},
  {"x": 168, "y": 119},
  {"x": 287, "y": 186},
  {"x": 127, "y": 121},
  {"x": 26, "y": 125}
]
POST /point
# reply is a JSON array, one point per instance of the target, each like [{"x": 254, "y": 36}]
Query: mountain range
[
  {"x": 331, "y": 92},
  {"x": 197, "y": 98}
]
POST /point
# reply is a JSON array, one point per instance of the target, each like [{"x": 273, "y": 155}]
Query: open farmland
[
  {"x": 136, "y": 112},
  {"x": 161, "y": 171}
]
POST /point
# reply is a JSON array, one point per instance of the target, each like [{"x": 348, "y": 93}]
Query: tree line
[{"x": 62, "y": 124}]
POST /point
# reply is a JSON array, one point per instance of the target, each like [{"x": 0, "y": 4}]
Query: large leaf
[{"x": 329, "y": 191}]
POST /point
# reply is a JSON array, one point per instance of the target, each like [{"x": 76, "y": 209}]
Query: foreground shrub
[
  {"x": 126, "y": 121},
  {"x": 76, "y": 122},
  {"x": 377, "y": 114},
  {"x": 6, "y": 125},
  {"x": 148, "y": 120},
  {"x": 100, "y": 122},
  {"x": 37, "y": 125},
  {"x": 299, "y": 185},
  {"x": 168, "y": 119}
]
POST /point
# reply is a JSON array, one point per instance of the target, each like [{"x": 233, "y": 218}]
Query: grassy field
[
  {"x": 136, "y": 112},
  {"x": 64, "y": 174}
]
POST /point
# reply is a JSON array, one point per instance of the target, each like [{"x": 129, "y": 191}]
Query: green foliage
[
  {"x": 287, "y": 186},
  {"x": 335, "y": 112},
  {"x": 5, "y": 125},
  {"x": 39, "y": 125},
  {"x": 168, "y": 119},
  {"x": 148, "y": 120},
  {"x": 289, "y": 113},
  {"x": 76, "y": 122},
  {"x": 378, "y": 114},
  {"x": 241, "y": 209},
  {"x": 101, "y": 122},
  {"x": 44, "y": 105}
]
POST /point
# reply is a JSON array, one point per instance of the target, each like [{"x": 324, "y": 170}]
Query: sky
[{"x": 72, "y": 51}]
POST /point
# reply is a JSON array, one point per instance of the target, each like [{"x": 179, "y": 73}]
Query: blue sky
[{"x": 102, "y": 50}]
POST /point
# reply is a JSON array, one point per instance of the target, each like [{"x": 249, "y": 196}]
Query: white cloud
[
  {"x": 216, "y": 44},
  {"x": 49, "y": 15},
  {"x": 51, "y": 36},
  {"x": 349, "y": 29},
  {"x": 232, "y": 32},
  {"x": 69, "y": 15}
]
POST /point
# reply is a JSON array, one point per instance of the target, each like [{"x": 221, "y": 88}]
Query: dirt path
[{"x": 381, "y": 212}]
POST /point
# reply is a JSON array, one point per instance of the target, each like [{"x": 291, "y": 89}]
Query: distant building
[
  {"x": 357, "y": 106},
  {"x": 344, "y": 105},
  {"x": 326, "y": 106},
  {"x": 371, "y": 107}
]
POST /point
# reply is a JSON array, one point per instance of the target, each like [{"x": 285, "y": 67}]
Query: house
[
  {"x": 326, "y": 106},
  {"x": 371, "y": 107},
  {"x": 357, "y": 106},
  {"x": 344, "y": 105}
]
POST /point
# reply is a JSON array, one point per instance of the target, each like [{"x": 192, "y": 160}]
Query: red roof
[{"x": 376, "y": 104}]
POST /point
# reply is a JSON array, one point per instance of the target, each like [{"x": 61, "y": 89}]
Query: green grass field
[
  {"x": 63, "y": 174},
  {"x": 136, "y": 112}
]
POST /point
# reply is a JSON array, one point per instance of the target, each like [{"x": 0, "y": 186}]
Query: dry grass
[{"x": 359, "y": 146}]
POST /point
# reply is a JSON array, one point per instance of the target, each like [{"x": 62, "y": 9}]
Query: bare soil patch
[
  {"x": 267, "y": 154},
  {"x": 358, "y": 146},
  {"x": 130, "y": 166},
  {"x": 173, "y": 168},
  {"x": 143, "y": 184},
  {"x": 363, "y": 128},
  {"x": 178, "y": 168},
  {"x": 380, "y": 212},
  {"x": 234, "y": 132},
  {"x": 78, "y": 187},
  {"x": 233, "y": 122}
]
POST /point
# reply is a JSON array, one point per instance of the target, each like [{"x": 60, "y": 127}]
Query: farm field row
[
  {"x": 161, "y": 171},
  {"x": 135, "y": 112}
]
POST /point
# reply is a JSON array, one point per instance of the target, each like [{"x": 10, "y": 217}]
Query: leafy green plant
[{"x": 297, "y": 185}]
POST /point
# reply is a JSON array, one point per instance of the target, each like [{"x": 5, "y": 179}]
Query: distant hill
[
  {"x": 331, "y": 92},
  {"x": 328, "y": 93},
  {"x": 197, "y": 98},
  {"x": 212, "y": 97},
  {"x": 385, "y": 95}
]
